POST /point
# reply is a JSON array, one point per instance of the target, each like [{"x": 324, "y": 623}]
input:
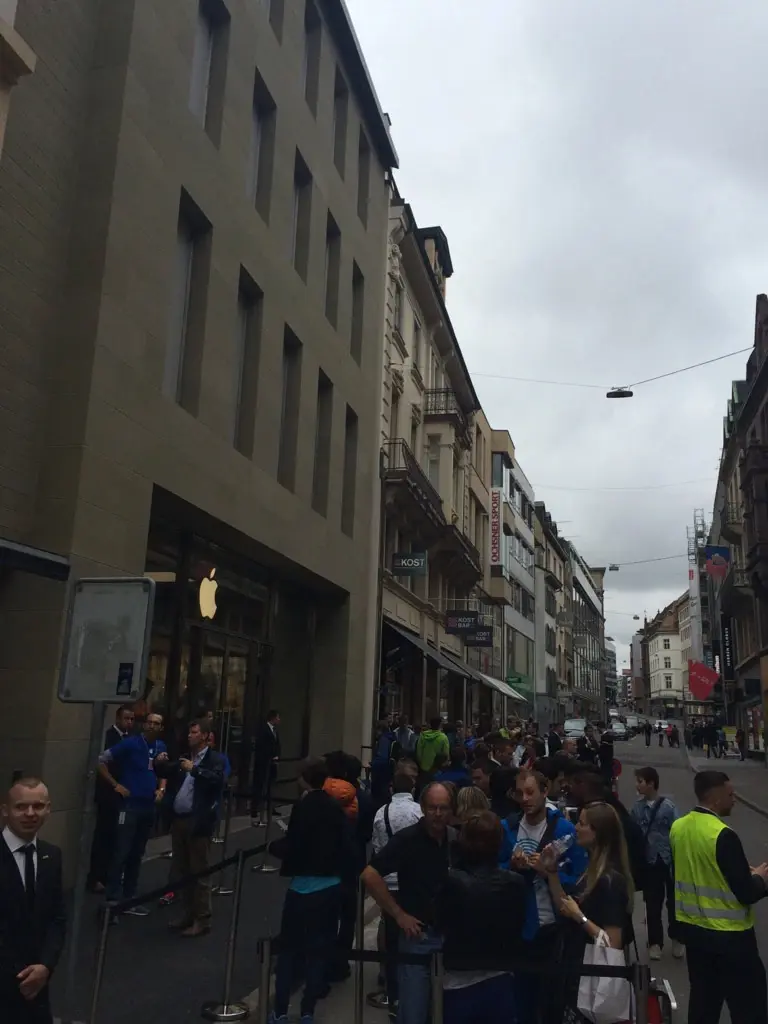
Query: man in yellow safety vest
[{"x": 714, "y": 891}]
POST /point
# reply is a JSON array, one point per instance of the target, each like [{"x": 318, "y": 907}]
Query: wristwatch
[{"x": 584, "y": 920}]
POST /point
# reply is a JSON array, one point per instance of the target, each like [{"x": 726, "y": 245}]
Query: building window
[
  {"x": 302, "y": 216},
  {"x": 247, "y": 356},
  {"x": 667, "y": 682},
  {"x": 262, "y": 153},
  {"x": 311, "y": 65},
  {"x": 416, "y": 347},
  {"x": 433, "y": 461},
  {"x": 397, "y": 309},
  {"x": 332, "y": 268},
  {"x": 363, "y": 176},
  {"x": 666, "y": 645},
  {"x": 289, "y": 411},
  {"x": 340, "y": 117},
  {"x": 667, "y": 663},
  {"x": 189, "y": 297},
  {"x": 209, "y": 66},
  {"x": 497, "y": 470},
  {"x": 323, "y": 428},
  {"x": 358, "y": 314},
  {"x": 276, "y": 17},
  {"x": 349, "y": 479}
]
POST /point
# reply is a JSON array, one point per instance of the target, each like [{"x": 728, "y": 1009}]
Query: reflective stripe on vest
[{"x": 702, "y": 895}]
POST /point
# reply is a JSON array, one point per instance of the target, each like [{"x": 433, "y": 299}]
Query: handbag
[{"x": 604, "y": 1000}]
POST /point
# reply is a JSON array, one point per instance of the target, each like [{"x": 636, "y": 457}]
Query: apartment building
[
  {"x": 193, "y": 216},
  {"x": 610, "y": 675},
  {"x": 441, "y": 627},
  {"x": 588, "y": 691},
  {"x": 551, "y": 611},
  {"x": 16, "y": 60},
  {"x": 665, "y": 660}
]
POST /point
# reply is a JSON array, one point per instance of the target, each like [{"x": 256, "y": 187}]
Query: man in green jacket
[{"x": 432, "y": 742}]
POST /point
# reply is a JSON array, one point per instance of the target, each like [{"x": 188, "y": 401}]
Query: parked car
[
  {"x": 634, "y": 725},
  {"x": 620, "y": 731},
  {"x": 574, "y": 727}
]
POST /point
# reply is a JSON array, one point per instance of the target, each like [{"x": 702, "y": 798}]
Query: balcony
[
  {"x": 732, "y": 521},
  {"x": 500, "y": 589},
  {"x": 457, "y": 557},
  {"x": 443, "y": 404},
  {"x": 409, "y": 495},
  {"x": 736, "y": 590}
]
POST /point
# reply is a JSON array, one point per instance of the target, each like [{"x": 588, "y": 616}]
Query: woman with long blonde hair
[
  {"x": 603, "y": 899},
  {"x": 470, "y": 800}
]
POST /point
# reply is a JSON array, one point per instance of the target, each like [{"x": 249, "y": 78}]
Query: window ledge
[{"x": 16, "y": 57}]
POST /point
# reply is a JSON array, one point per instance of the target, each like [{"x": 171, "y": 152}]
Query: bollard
[
  {"x": 360, "y": 944},
  {"x": 641, "y": 983},
  {"x": 263, "y": 867},
  {"x": 100, "y": 961},
  {"x": 437, "y": 988},
  {"x": 225, "y": 1010},
  {"x": 265, "y": 975},
  {"x": 221, "y": 888}
]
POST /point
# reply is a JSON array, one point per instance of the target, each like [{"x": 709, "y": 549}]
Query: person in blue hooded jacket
[{"x": 523, "y": 841}]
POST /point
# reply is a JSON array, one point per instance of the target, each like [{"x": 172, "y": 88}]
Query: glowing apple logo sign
[{"x": 207, "y": 595}]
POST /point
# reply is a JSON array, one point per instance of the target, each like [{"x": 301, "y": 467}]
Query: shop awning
[
  {"x": 431, "y": 652},
  {"x": 22, "y": 558},
  {"x": 502, "y": 687},
  {"x": 463, "y": 669}
]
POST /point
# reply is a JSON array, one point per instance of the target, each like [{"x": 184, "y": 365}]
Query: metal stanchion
[
  {"x": 100, "y": 961},
  {"x": 265, "y": 974},
  {"x": 263, "y": 867},
  {"x": 437, "y": 988},
  {"x": 641, "y": 983},
  {"x": 221, "y": 888},
  {"x": 225, "y": 1010},
  {"x": 360, "y": 944}
]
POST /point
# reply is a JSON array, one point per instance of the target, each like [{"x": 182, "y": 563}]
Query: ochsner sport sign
[{"x": 497, "y": 497}]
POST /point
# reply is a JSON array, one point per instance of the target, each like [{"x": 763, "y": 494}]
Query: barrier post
[
  {"x": 360, "y": 944},
  {"x": 225, "y": 1010},
  {"x": 220, "y": 887},
  {"x": 265, "y": 975},
  {"x": 641, "y": 983},
  {"x": 437, "y": 987},
  {"x": 263, "y": 867},
  {"x": 100, "y": 961}
]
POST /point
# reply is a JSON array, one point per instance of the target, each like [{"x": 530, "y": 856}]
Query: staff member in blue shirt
[{"x": 138, "y": 791}]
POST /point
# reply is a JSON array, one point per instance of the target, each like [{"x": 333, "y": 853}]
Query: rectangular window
[
  {"x": 363, "y": 176},
  {"x": 189, "y": 300},
  {"x": 302, "y": 215},
  {"x": 289, "y": 413},
  {"x": 667, "y": 663},
  {"x": 358, "y": 314},
  {"x": 397, "y": 309},
  {"x": 340, "y": 118},
  {"x": 311, "y": 66},
  {"x": 276, "y": 17},
  {"x": 497, "y": 470},
  {"x": 666, "y": 645},
  {"x": 349, "y": 480},
  {"x": 668, "y": 682},
  {"x": 332, "y": 269},
  {"x": 416, "y": 347},
  {"x": 247, "y": 356},
  {"x": 433, "y": 461},
  {"x": 323, "y": 427},
  {"x": 262, "y": 152},
  {"x": 209, "y": 66}
]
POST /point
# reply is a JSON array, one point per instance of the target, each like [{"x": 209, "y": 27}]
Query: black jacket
[
  {"x": 209, "y": 786},
  {"x": 481, "y": 912},
  {"x": 266, "y": 744},
  {"x": 26, "y": 937},
  {"x": 319, "y": 841},
  {"x": 555, "y": 741}
]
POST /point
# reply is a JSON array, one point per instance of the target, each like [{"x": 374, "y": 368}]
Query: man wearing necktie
[{"x": 32, "y": 915}]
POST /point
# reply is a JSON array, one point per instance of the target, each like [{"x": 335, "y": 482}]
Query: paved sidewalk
[{"x": 750, "y": 777}]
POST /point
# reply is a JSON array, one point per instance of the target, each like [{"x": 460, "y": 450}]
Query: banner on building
[
  {"x": 409, "y": 563},
  {"x": 701, "y": 680},
  {"x": 727, "y": 659},
  {"x": 480, "y": 637},
  {"x": 717, "y": 561},
  {"x": 497, "y": 555},
  {"x": 458, "y": 623}
]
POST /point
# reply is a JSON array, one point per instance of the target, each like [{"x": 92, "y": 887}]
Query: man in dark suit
[
  {"x": 267, "y": 754},
  {"x": 192, "y": 798},
  {"x": 32, "y": 915},
  {"x": 107, "y": 805}
]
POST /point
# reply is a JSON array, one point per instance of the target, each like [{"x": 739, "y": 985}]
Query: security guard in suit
[{"x": 715, "y": 889}]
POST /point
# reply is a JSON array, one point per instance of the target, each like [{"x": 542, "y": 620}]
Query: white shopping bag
[{"x": 604, "y": 1000}]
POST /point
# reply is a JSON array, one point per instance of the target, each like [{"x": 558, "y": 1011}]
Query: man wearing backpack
[
  {"x": 654, "y": 815},
  {"x": 398, "y": 814}
]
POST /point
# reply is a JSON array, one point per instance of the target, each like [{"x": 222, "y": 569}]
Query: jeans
[
  {"x": 487, "y": 1002},
  {"x": 414, "y": 980},
  {"x": 307, "y": 938},
  {"x": 658, "y": 884},
  {"x": 134, "y": 827}
]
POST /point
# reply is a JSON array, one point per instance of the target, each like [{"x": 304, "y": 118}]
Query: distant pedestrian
[
  {"x": 688, "y": 735},
  {"x": 647, "y": 730},
  {"x": 266, "y": 757},
  {"x": 555, "y": 739},
  {"x": 107, "y": 804},
  {"x": 741, "y": 743},
  {"x": 405, "y": 739},
  {"x": 711, "y": 740},
  {"x": 382, "y": 762},
  {"x": 431, "y": 742}
]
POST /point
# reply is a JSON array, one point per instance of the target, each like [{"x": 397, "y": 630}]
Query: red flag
[{"x": 701, "y": 680}]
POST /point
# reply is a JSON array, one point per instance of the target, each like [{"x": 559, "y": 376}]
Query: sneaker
[
  {"x": 258, "y": 823},
  {"x": 275, "y": 1019},
  {"x": 167, "y": 900},
  {"x": 138, "y": 911},
  {"x": 378, "y": 1000},
  {"x": 678, "y": 950},
  {"x": 654, "y": 953}
]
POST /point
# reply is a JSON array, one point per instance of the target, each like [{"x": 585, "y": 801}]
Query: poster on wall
[
  {"x": 755, "y": 729},
  {"x": 497, "y": 555}
]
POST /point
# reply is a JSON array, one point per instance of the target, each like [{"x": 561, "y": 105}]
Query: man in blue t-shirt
[{"x": 138, "y": 790}]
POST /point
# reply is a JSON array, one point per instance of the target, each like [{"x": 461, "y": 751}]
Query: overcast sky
[{"x": 601, "y": 172}]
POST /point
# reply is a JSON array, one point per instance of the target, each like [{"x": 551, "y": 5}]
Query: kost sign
[{"x": 496, "y": 529}]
